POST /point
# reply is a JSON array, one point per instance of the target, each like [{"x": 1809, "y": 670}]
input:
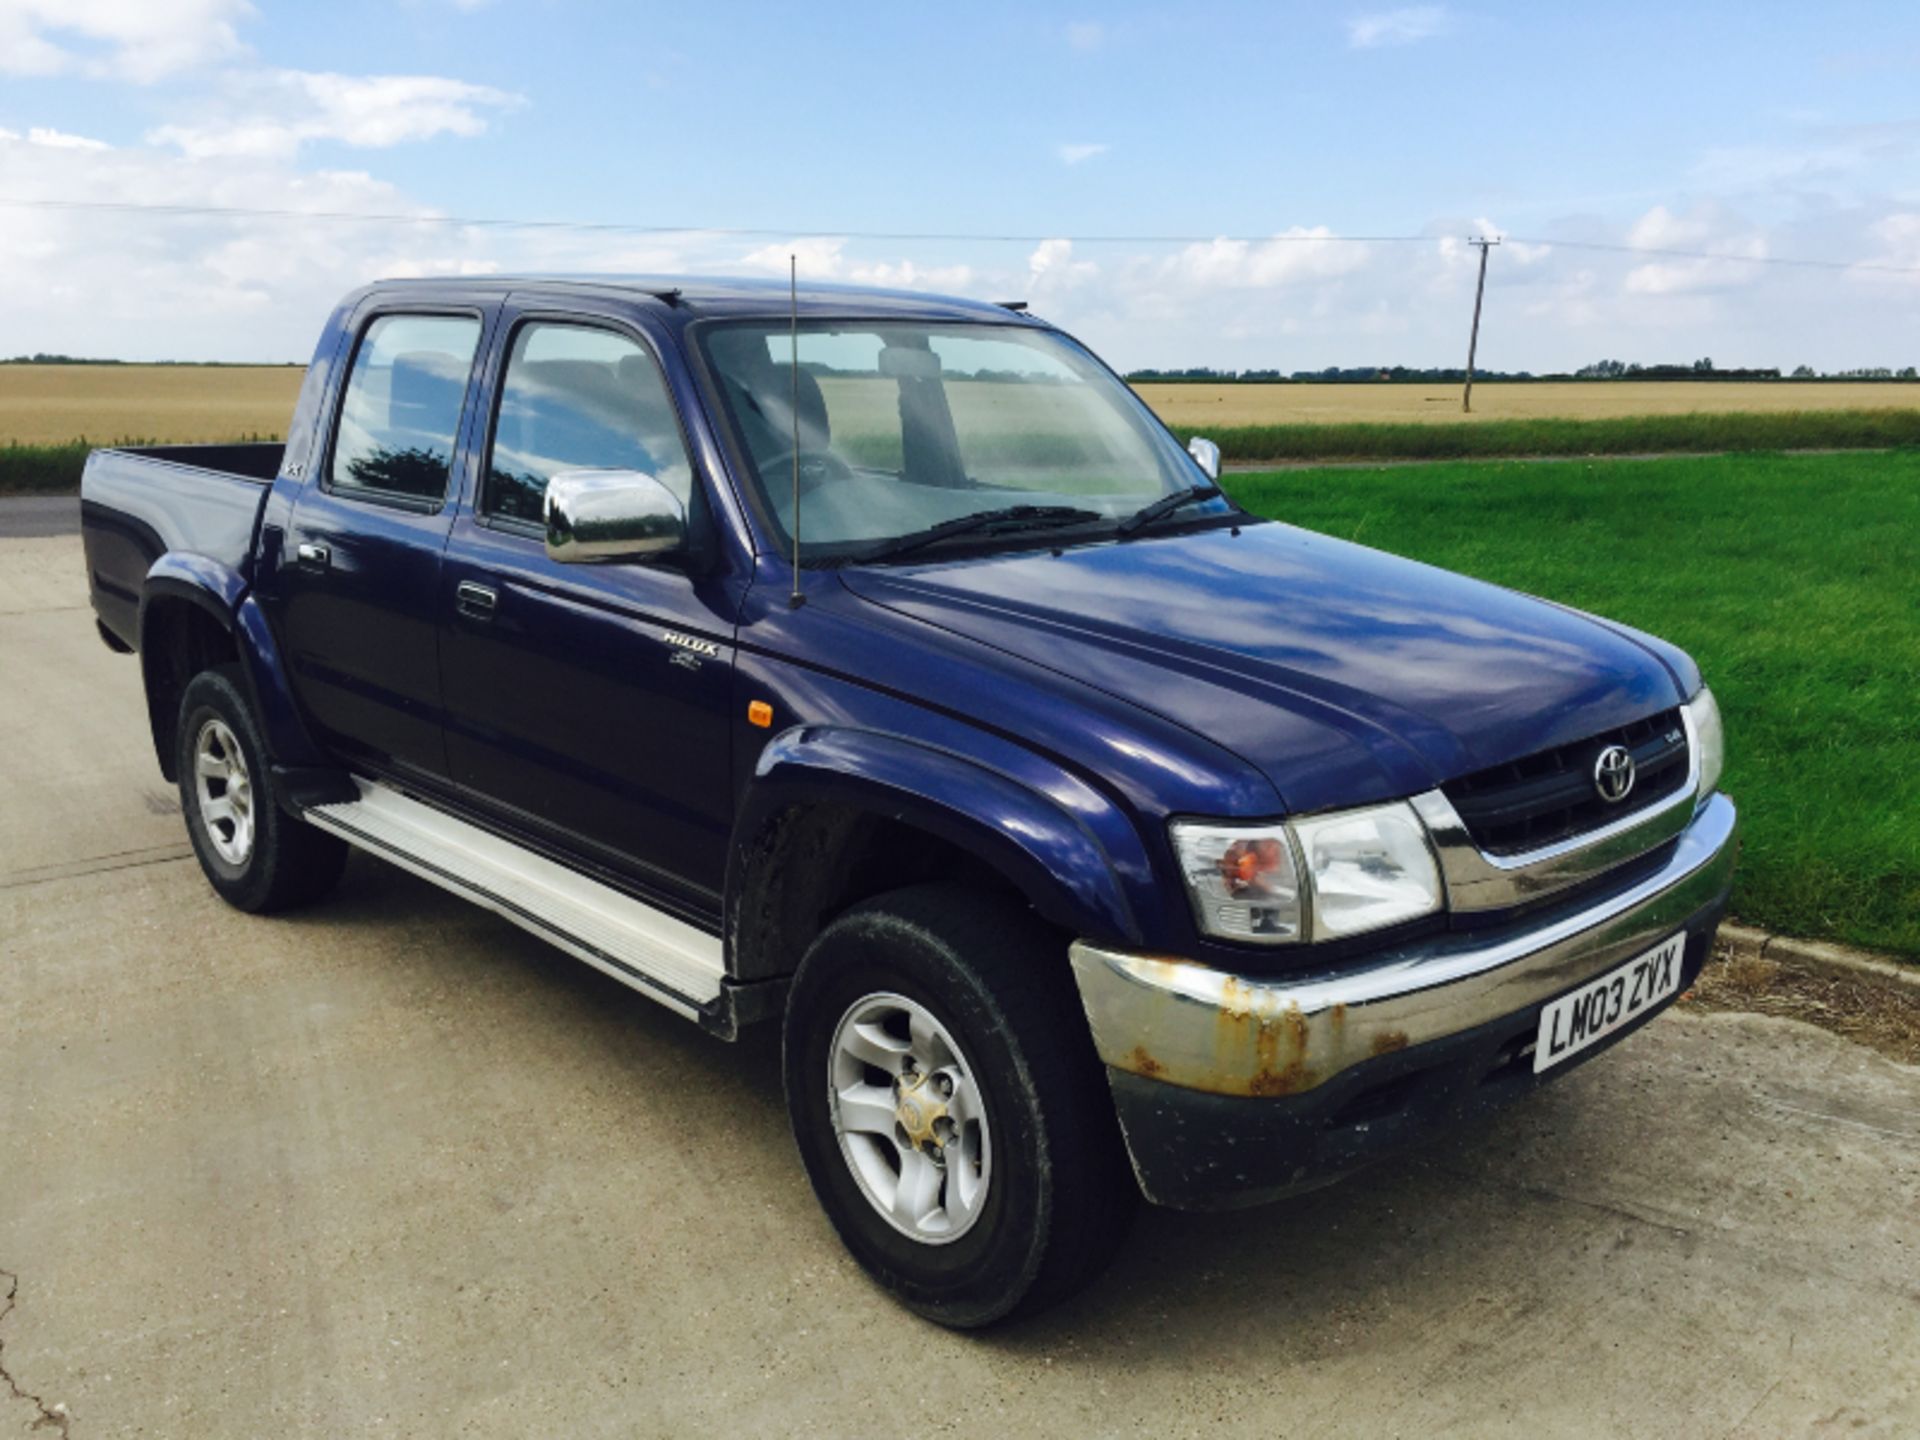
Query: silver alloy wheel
[
  {"x": 912, "y": 1123},
  {"x": 224, "y": 791}
]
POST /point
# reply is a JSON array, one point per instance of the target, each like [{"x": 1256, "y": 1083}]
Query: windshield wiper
[
  {"x": 1163, "y": 507},
  {"x": 1005, "y": 520}
]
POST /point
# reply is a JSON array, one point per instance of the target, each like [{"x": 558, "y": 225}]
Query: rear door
[
  {"x": 360, "y": 576},
  {"x": 571, "y": 714}
]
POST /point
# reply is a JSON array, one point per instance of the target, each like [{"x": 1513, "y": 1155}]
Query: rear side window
[
  {"x": 402, "y": 406},
  {"x": 579, "y": 398}
]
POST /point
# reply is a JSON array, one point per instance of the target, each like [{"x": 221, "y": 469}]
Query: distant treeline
[
  {"x": 1703, "y": 369},
  {"x": 44, "y": 359}
]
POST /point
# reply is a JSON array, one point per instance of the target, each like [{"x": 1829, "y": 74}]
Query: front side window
[
  {"x": 577, "y": 398},
  {"x": 402, "y": 405},
  {"x": 905, "y": 425}
]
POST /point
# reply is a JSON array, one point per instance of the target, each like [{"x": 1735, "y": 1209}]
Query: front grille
[{"x": 1548, "y": 797}]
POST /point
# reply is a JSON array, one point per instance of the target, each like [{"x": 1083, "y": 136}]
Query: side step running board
[{"x": 662, "y": 957}]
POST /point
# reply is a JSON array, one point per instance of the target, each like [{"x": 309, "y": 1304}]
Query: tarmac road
[
  {"x": 392, "y": 1167},
  {"x": 39, "y": 515}
]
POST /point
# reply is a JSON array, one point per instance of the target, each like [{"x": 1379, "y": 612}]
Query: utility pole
[{"x": 1486, "y": 243}]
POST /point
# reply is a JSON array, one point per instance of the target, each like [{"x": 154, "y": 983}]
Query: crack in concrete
[
  {"x": 96, "y": 865},
  {"x": 51, "y": 1417}
]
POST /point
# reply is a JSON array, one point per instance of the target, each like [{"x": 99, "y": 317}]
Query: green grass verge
[
  {"x": 42, "y": 469},
  {"x": 1697, "y": 433},
  {"x": 55, "y": 469},
  {"x": 1794, "y": 581}
]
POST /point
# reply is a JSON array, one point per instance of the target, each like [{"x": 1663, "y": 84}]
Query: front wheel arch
[{"x": 821, "y": 812}]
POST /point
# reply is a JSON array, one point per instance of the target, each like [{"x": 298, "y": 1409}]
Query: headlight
[
  {"x": 1708, "y": 734},
  {"x": 1363, "y": 869},
  {"x": 1367, "y": 868}
]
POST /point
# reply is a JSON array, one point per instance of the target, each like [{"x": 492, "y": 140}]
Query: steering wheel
[{"x": 817, "y": 467}]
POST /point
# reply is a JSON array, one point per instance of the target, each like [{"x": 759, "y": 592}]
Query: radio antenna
[{"x": 796, "y": 599}]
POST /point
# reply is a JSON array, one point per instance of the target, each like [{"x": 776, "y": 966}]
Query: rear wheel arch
[{"x": 181, "y": 634}]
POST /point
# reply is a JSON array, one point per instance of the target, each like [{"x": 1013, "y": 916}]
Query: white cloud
[
  {"x": 139, "y": 40},
  {"x": 1296, "y": 254},
  {"x": 906, "y": 275},
  {"x": 1086, "y": 35},
  {"x": 271, "y": 115},
  {"x": 1076, "y": 154},
  {"x": 1457, "y": 249},
  {"x": 824, "y": 257},
  {"x": 1898, "y": 236},
  {"x": 1708, "y": 229},
  {"x": 1819, "y": 155},
  {"x": 236, "y": 287},
  {"x": 60, "y": 140},
  {"x": 817, "y": 257},
  {"x": 138, "y": 286},
  {"x": 1052, "y": 269},
  {"x": 1397, "y": 27}
]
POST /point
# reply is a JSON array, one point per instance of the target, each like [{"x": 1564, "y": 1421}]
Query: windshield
[{"x": 904, "y": 426}]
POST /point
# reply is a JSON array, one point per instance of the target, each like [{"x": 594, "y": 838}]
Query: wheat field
[
  {"x": 52, "y": 404},
  {"x": 1200, "y": 405}
]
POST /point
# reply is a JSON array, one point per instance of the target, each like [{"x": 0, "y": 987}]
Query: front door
[
  {"x": 359, "y": 583},
  {"x": 570, "y": 714}
]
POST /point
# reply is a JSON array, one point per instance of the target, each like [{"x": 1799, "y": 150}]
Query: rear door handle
[
  {"x": 474, "y": 600},
  {"x": 317, "y": 556}
]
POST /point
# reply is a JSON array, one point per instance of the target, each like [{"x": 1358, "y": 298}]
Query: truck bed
[{"x": 138, "y": 504}]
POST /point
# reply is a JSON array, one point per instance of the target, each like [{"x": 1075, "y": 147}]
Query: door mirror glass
[
  {"x": 1206, "y": 455},
  {"x": 601, "y": 515}
]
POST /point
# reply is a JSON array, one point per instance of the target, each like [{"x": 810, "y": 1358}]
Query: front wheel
[
  {"x": 950, "y": 1109},
  {"x": 258, "y": 857}
]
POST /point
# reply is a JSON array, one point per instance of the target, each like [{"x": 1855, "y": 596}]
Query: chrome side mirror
[
  {"x": 1206, "y": 455},
  {"x": 601, "y": 515}
]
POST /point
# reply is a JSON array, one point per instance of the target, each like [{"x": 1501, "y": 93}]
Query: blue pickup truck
[{"x": 879, "y": 665}]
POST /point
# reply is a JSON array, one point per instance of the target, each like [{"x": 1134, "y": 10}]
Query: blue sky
[{"x": 1762, "y": 131}]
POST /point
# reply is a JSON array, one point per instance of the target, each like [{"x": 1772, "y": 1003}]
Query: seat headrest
[
  {"x": 425, "y": 380},
  {"x": 816, "y": 432}
]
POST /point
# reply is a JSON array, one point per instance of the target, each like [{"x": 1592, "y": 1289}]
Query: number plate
[{"x": 1600, "y": 1007}]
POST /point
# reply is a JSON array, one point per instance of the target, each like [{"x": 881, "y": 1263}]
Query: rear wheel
[
  {"x": 949, "y": 1108},
  {"x": 255, "y": 854}
]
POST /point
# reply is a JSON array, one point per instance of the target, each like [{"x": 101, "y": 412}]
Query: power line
[
  {"x": 497, "y": 222},
  {"x": 1664, "y": 254}
]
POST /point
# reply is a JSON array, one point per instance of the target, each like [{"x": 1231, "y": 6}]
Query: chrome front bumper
[{"x": 1206, "y": 1029}]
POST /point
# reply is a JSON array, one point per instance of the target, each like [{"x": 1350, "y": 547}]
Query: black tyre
[
  {"x": 255, "y": 854},
  {"x": 949, "y": 1107}
]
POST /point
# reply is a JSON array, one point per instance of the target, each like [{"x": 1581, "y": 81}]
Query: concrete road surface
[{"x": 394, "y": 1168}]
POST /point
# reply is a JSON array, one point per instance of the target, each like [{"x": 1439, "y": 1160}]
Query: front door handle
[
  {"x": 474, "y": 600},
  {"x": 316, "y": 556}
]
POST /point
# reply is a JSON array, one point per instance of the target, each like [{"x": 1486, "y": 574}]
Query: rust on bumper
[{"x": 1206, "y": 1029}]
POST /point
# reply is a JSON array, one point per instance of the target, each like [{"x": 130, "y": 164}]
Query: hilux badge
[
  {"x": 1613, "y": 774},
  {"x": 687, "y": 642}
]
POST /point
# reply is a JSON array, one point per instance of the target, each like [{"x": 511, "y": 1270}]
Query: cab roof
[{"x": 732, "y": 296}]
